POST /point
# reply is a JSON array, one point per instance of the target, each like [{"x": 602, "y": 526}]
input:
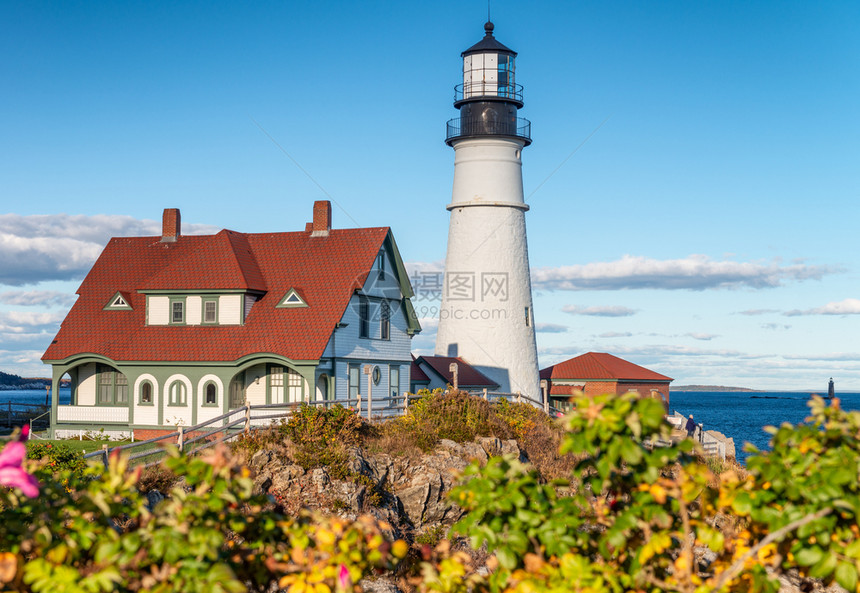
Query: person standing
[{"x": 690, "y": 426}]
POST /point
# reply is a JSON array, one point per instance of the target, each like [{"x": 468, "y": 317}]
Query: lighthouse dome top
[{"x": 489, "y": 44}]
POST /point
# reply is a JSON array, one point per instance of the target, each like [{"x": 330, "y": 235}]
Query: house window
[
  {"x": 237, "y": 393},
  {"x": 528, "y": 316},
  {"x": 354, "y": 381},
  {"x": 210, "y": 394},
  {"x": 210, "y": 311},
  {"x": 177, "y": 311},
  {"x": 363, "y": 317},
  {"x": 177, "y": 394},
  {"x": 276, "y": 385},
  {"x": 113, "y": 387},
  {"x": 376, "y": 375},
  {"x": 394, "y": 381},
  {"x": 384, "y": 321},
  {"x": 294, "y": 385},
  {"x": 146, "y": 393},
  {"x": 380, "y": 265}
]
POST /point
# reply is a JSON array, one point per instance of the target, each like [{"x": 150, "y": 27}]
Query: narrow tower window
[
  {"x": 363, "y": 317},
  {"x": 384, "y": 321}
]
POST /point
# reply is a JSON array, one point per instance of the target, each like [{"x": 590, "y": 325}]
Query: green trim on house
[
  {"x": 198, "y": 291},
  {"x": 405, "y": 287}
]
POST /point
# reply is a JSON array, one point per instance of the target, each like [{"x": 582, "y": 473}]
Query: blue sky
[{"x": 706, "y": 228}]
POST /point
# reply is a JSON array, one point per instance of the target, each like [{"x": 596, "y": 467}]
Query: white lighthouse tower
[{"x": 486, "y": 316}]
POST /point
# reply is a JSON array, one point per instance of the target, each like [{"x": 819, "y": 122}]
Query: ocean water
[
  {"x": 32, "y": 396},
  {"x": 742, "y": 415}
]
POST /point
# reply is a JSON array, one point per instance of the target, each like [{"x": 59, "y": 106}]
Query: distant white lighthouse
[{"x": 486, "y": 315}]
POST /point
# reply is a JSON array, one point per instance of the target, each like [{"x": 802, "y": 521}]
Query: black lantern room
[{"x": 489, "y": 97}]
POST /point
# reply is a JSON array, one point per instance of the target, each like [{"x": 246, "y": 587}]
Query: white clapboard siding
[
  {"x": 193, "y": 310},
  {"x": 86, "y": 390},
  {"x": 158, "y": 310},
  {"x": 230, "y": 309}
]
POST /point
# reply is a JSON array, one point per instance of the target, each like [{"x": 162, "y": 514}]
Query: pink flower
[
  {"x": 343, "y": 579},
  {"x": 11, "y": 473}
]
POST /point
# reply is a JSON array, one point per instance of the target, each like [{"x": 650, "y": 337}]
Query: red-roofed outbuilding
[
  {"x": 596, "y": 373},
  {"x": 174, "y": 330},
  {"x": 438, "y": 370}
]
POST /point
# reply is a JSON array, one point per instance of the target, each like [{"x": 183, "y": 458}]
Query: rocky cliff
[{"x": 408, "y": 493}]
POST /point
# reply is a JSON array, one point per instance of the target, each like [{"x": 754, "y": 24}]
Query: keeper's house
[
  {"x": 596, "y": 373},
  {"x": 175, "y": 330}
]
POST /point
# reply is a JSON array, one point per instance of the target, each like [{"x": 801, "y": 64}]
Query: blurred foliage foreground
[{"x": 632, "y": 518}]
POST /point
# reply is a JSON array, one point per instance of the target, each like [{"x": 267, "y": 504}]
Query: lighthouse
[{"x": 486, "y": 315}]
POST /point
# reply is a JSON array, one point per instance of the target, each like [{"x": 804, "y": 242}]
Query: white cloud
[
  {"x": 846, "y": 307},
  {"x": 600, "y": 311},
  {"x": 25, "y": 363},
  {"x": 550, "y": 328},
  {"x": 61, "y": 246},
  {"x": 615, "y": 335},
  {"x": 758, "y": 311},
  {"x": 695, "y": 272},
  {"x": 701, "y": 336},
  {"x": 37, "y": 298},
  {"x": 775, "y": 326},
  {"x": 26, "y": 322}
]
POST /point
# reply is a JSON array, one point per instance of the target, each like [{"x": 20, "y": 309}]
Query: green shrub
[
  {"x": 260, "y": 438},
  {"x": 321, "y": 436},
  {"x": 211, "y": 535},
  {"x": 453, "y": 415},
  {"x": 57, "y": 456}
]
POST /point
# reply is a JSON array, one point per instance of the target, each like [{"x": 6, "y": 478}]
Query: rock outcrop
[{"x": 409, "y": 494}]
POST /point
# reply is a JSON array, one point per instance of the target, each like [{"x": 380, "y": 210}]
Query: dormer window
[
  {"x": 118, "y": 302},
  {"x": 177, "y": 311},
  {"x": 291, "y": 300},
  {"x": 210, "y": 311}
]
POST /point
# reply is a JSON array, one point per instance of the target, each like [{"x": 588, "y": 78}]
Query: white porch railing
[{"x": 91, "y": 414}]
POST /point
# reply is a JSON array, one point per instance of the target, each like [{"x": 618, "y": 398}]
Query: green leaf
[
  {"x": 825, "y": 566},
  {"x": 808, "y": 556},
  {"x": 506, "y": 558},
  {"x": 846, "y": 576}
]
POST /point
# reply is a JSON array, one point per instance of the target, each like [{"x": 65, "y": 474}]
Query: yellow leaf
[
  {"x": 659, "y": 493},
  {"x": 325, "y": 537}
]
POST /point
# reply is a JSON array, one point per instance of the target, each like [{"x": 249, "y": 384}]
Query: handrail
[
  {"x": 474, "y": 126},
  {"x": 480, "y": 89}
]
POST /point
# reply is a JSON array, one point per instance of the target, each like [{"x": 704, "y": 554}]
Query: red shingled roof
[
  {"x": 600, "y": 365},
  {"x": 326, "y": 271},
  {"x": 467, "y": 375},
  {"x": 416, "y": 375}
]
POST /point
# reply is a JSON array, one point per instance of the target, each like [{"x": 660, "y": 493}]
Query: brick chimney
[
  {"x": 322, "y": 219},
  {"x": 171, "y": 224}
]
